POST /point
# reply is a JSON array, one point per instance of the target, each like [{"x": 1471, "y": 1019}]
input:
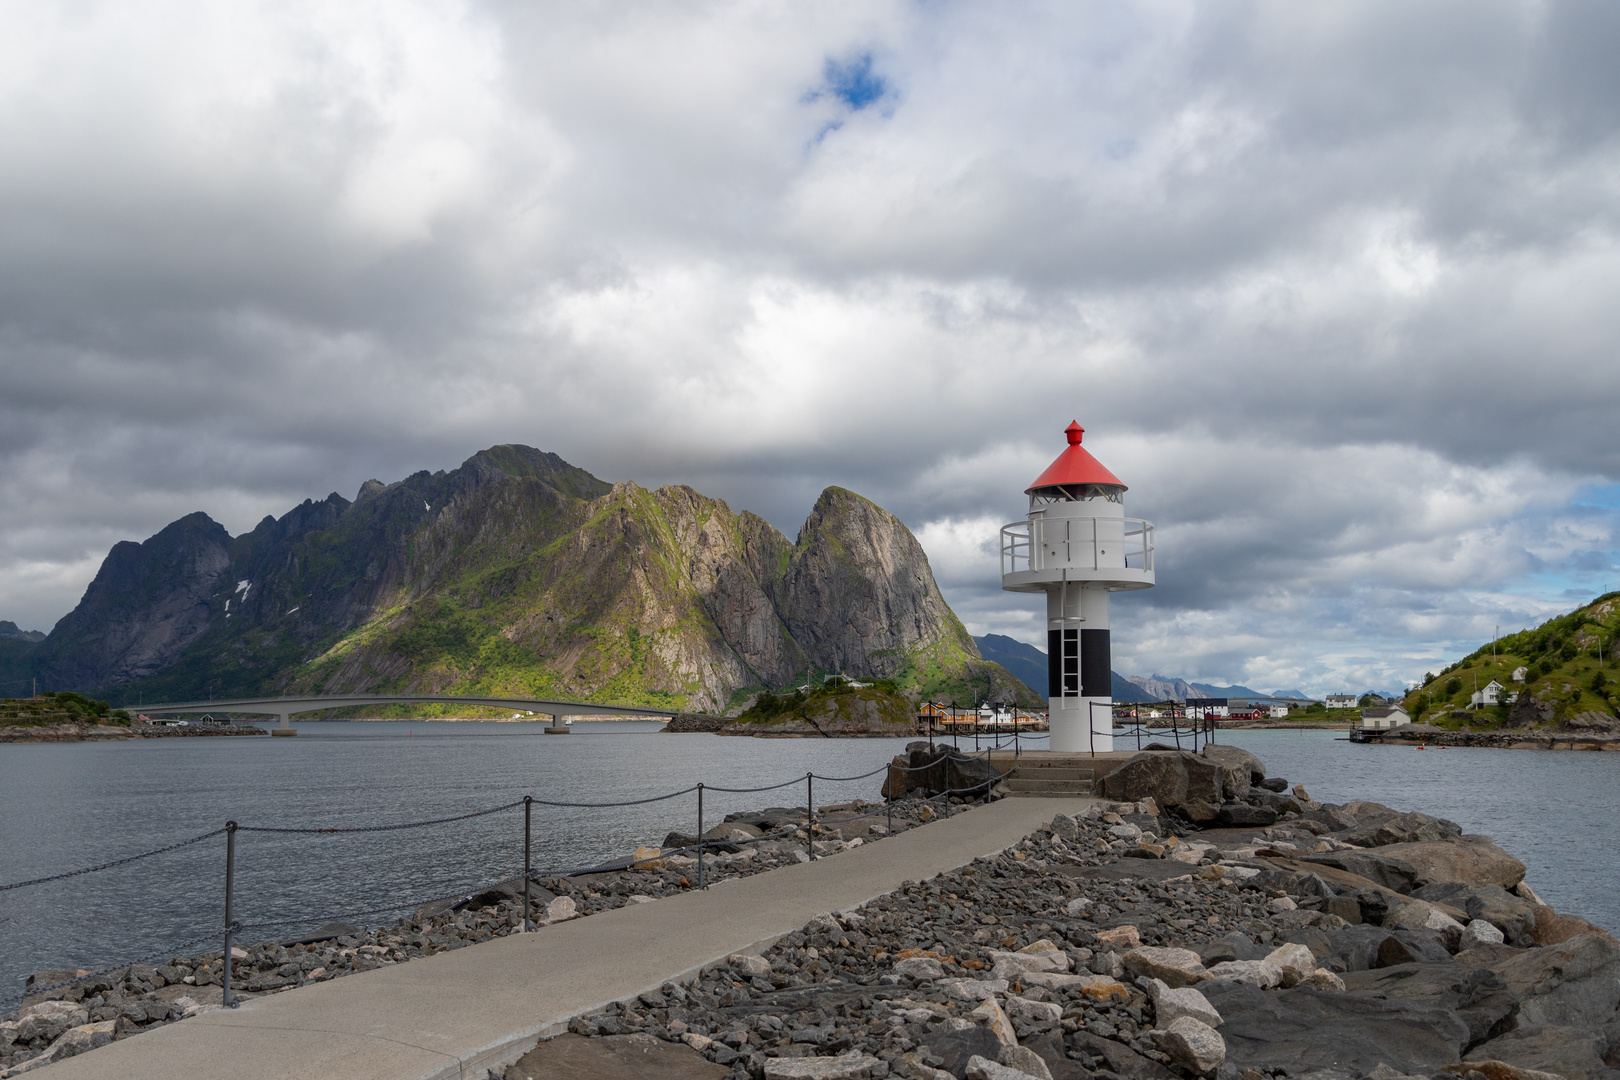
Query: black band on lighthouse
[
  {"x": 1063, "y": 663},
  {"x": 1096, "y": 663}
]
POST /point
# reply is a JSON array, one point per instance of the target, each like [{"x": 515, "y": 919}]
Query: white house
[
  {"x": 1384, "y": 719},
  {"x": 1207, "y": 708},
  {"x": 1490, "y": 695},
  {"x": 1520, "y": 672},
  {"x": 1340, "y": 701},
  {"x": 1278, "y": 712}
]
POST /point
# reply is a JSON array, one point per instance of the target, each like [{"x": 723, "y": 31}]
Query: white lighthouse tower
[{"x": 1077, "y": 546}]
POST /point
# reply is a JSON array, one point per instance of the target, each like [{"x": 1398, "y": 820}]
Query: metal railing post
[
  {"x": 810, "y": 809},
  {"x": 701, "y": 883},
  {"x": 230, "y": 924},
  {"x": 528, "y": 805}
]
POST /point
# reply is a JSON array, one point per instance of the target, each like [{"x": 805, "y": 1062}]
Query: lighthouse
[{"x": 1078, "y": 547}]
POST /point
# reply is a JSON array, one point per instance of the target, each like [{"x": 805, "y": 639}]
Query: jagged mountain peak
[{"x": 518, "y": 572}]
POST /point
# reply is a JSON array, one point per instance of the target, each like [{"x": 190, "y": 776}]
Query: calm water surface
[{"x": 69, "y": 805}]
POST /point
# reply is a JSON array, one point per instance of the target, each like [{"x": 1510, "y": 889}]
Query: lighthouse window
[{"x": 1062, "y": 493}]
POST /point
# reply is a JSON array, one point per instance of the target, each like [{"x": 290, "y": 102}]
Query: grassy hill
[{"x": 1565, "y": 679}]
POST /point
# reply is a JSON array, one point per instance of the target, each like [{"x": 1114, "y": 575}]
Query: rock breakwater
[{"x": 1339, "y": 942}]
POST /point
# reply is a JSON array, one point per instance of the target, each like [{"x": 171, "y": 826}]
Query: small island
[{"x": 68, "y": 717}]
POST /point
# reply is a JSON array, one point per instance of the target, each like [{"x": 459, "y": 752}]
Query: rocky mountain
[
  {"x": 1029, "y": 664},
  {"x": 1165, "y": 688},
  {"x": 17, "y": 649},
  {"x": 518, "y": 573}
]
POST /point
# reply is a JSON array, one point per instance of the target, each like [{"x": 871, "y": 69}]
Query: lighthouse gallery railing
[{"x": 1021, "y": 540}]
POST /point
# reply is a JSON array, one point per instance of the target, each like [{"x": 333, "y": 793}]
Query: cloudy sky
[{"x": 1324, "y": 282}]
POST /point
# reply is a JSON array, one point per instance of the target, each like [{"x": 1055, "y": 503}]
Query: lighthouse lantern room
[{"x": 1077, "y": 546}]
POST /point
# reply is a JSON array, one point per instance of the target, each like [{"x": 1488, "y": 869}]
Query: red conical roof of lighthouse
[{"x": 1074, "y": 466}]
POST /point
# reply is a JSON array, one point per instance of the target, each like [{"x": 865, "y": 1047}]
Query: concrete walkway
[{"x": 459, "y": 1013}]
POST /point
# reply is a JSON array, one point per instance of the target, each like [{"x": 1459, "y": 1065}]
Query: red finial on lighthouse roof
[{"x": 1074, "y": 466}]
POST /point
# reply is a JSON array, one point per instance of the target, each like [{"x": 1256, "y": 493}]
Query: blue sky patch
[{"x": 854, "y": 83}]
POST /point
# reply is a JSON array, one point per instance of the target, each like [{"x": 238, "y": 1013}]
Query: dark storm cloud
[{"x": 1330, "y": 286}]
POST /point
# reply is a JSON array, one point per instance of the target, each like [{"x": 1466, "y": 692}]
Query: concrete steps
[{"x": 1043, "y": 780}]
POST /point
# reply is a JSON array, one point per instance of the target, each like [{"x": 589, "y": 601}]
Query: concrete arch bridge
[{"x": 287, "y": 707}]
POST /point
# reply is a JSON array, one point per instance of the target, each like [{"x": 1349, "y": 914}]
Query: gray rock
[
  {"x": 1474, "y": 860},
  {"x": 1194, "y": 1046},
  {"x": 1478, "y": 996},
  {"x": 956, "y": 1048},
  {"x": 1239, "y": 768},
  {"x": 1479, "y": 932},
  {"x": 1378, "y": 830},
  {"x": 1176, "y": 967},
  {"x": 1174, "y": 780},
  {"x": 1391, "y": 873},
  {"x": 1574, "y": 1053},
  {"x": 1244, "y": 815},
  {"x": 979, "y": 1068},
  {"x": 922, "y": 968},
  {"x": 1575, "y": 983},
  {"x": 1065, "y": 827},
  {"x": 1026, "y": 1061},
  {"x": 1508, "y": 913},
  {"x": 1302, "y": 1031},
  {"x": 1121, "y": 1059},
  {"x": 1172, "y": 1003},
  {"x": 843, "y": 1067}
]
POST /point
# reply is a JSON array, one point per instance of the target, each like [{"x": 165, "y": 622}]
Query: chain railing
[{"x": 232, "y": 927}]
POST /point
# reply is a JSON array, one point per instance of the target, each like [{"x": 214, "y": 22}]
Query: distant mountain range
[
  {"x": 515, "y": 574},
  {"x": 8, "y": 629},
  {"x": 1029, "y": 664}
]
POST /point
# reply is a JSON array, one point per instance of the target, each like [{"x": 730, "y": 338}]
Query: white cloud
[{"x": 1331, "y": 288}]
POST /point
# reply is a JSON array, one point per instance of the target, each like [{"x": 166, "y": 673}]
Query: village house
[
  {"x": 1340, "y": 701},
  {"x": 1384, "y": 718},
  {"x": 1490, "y": 695}
]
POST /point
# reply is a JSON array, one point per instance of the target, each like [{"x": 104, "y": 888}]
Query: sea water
[{"x": 70, "y": 805}]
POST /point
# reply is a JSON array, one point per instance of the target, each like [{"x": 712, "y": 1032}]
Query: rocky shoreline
[
  {"x": 1501, "y": 739},
  {"x": 1329, "y": 942},
  {"x": 74, "y": 732},
  {"x": 1223, "y": 926}
]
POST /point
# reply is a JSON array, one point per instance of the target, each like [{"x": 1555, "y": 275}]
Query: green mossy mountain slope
[
  {"x": 519, "y": 574},
  {"x": 1565, "y": 682}
]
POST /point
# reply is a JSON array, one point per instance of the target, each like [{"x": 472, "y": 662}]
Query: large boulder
[
  {"x": 1378, "y": 830},
  {"x": 1575, "y": 983},
  {"x": 1351, "y": 1034},
  {"x": 934, "y": 769},
  {"x": 1472, "y": 860},
  {"x": 1386, "y": 870},
  {"x": 1179, "y": 781},
  {"x": 1568, "y": 1052},
  {"x": 1478, "y": 996},
  {"x": 1239, "y": 769},
  {"x": 1508, "y": 913},
  {"x": 1551, "y": 927}
]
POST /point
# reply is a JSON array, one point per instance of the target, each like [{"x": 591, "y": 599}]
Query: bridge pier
[{"x": 286, "y": 727}]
